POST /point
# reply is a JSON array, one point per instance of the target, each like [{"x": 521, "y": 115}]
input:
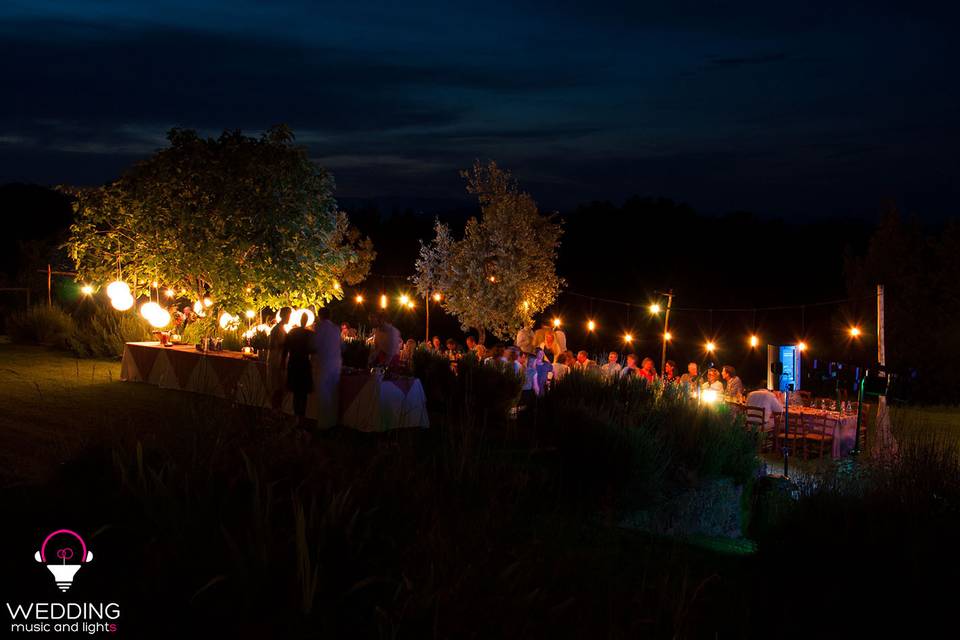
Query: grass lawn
[{"x": 55, "y": 404}]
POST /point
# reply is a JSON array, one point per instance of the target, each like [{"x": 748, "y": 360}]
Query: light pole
[{"x": 655, "y": 308}]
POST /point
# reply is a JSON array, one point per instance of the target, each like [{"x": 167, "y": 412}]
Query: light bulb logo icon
[{"x": 60, "y": 564}]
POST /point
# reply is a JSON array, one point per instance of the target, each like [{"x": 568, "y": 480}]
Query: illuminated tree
[
  {"x": 249, "y": 221},
  {"x": 502, "y": 272}
]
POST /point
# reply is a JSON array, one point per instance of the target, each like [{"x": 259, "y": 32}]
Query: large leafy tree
[
  {"x": 502, "y": 272},
  {"x": 248, "y": 221}
]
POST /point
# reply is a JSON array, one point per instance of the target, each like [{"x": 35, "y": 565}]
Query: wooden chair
[
  {"x": 819, "y": 432},
  {"x": 794, "y": 440},
  {"x": 756, "y": 422}
]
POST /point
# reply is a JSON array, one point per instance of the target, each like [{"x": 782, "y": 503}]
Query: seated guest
[
  {"x": 647, "y": 370},
  {"x": 692, "y": 376},
  {"x": 560, "y": 367},
  {"x": 612, "y": 368},
  {"x": 471, "y": 343},
  {"x": 631, "y": 368},
  {"x": 713, "y": 381},
  {"x": 670, "y": 371},
  {"x": 734, "y": 385},
  {"x": 453, "y": 349},
  {"x": 347, "y": 332},
  {"x": 406, "y": 354},
  {"x": 767, "y": 401},
  {"x": 584, "y": 362},
  {"x": 436, "y": 345}
]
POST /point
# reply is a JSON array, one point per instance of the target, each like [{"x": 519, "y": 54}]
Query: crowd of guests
[{"x": 308, "y": 359}]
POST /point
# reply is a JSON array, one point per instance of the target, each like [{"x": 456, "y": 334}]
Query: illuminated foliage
[
  {"x": 250, "y": 221},
  {"x": 502, "y": 272}
]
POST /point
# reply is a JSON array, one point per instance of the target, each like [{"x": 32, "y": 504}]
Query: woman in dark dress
[{"x": 297, "y": 348}]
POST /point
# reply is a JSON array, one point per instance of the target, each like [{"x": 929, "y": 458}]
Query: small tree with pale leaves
[{"x": 502, "y": 272}]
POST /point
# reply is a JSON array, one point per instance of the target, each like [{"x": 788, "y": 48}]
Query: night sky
[{"x": 792, "y": 109}]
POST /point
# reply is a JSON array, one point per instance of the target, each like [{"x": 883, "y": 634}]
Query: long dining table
[{"x": 369, "y": 400}]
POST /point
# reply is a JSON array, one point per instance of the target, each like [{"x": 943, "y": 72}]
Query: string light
[
  {"x": 654, "y": 308},
  {"x": 155, "y": 284},
  {"x": 627, "y": 338},
  {"x": 383, "y": 301},
  {"x": 711, "y": 347},
  {"x": 854, "y": 332},
  {"x": 802, "y": 346},
  {"x": 410, "y": 304},
  {"x": 250, "y": 313},
  {"x": 754, "y": 341},
  {"x": 405, "y": 300},
  {"x": 207, "y": 302},
  {"x": 118, "y": 289},
  {"x": 668, "y": 336},
  {"x": 437, "y": 297},
  {"x": 556, "y": 323},
  {"x": 86, "y": 289},
  {"x": 359, "y": 299},
  {"x": 591, "y": 325},
  {"x": 170, "y": 293},
  {"x": 493, "y": 278}
]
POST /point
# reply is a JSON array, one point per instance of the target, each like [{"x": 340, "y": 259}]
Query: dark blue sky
[{"x": 777, "y": 107}]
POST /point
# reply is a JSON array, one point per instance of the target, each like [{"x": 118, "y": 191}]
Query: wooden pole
[
  {"x": 49, "y": 285},
  {"x": 666, "y": 329},
  {"x": 881, "y": 346},
  {"x": 426, "y": 306}
]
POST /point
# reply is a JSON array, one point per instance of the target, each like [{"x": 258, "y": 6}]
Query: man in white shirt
[
  {"x": 767, "y": 401},
  {"x": 326, "y": 361},
  {"x": 524, "y": 340},
  {"x": 386, "y": 341},
  {"x": 612, "y": 367}
]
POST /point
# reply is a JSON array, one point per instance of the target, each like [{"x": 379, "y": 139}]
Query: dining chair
[
  {"x": 756, "y": 422},
  {"x": 819, "y": 432},
  {"x": 794, "y": 438}
]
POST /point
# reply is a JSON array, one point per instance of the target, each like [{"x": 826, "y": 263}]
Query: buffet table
[{"x": 368, "y": 401}]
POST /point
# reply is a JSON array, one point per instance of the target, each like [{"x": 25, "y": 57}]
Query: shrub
[
  {"x": 42, "y": 325},
  {"x": 104, "y": 331},
  {"x": 487, "y": 391},
  {"x": 356, "y": 354}
]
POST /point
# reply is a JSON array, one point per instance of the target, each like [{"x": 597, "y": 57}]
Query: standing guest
[
  {"x": 480, "y": 352},
  {"x": 631, "y": 368},
  {"x": 713, "y": 381},
  {"x": 327, "y": 361},
  {"x": 560, "y": 367},
  {"x": 406, "y": 354},
  {"x": 670, "y": 371},
  {"x": 692, "y": 377},
  {"x": 297, "y": 348},
  {"x": 524, "y": 340},
  {"x": 647, "y": 370},
  {"x": 549, "y": 346},
  {"x": 386, "y": 342},
  {"x": 436, "y": 345},
  {"x": 540, "y": 337},
  {"x": 734, "y": 384},
  {"x": 471, "y": 343},
  {"x": 531, "y": 386},
  {"x": 512, "y": 356},
  {"x": 275, "y": 369},
  {"x": 767, "y": 401},
  {"x": 561, "y": 339},
  {"x": 544, "y": 370},
  {"x": 347, "y": 332},
  {"x": 495, "y": 355},
  {"x": 612, "y": 368}
]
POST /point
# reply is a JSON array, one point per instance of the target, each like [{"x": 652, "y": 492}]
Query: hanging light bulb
[
  {"x": 627, "y": 338},
  {"x": 654, "y": 308},
  {"x": 754, "y": 341},
  {"x": 802, "y": 346},
  {"x": 556, "y": 323},
  {"x": 383, "y": 301},
  {"x": 207, "y": 302},
  {"x": 170, "y": 293},
  {"x": 228, "y": 321},
  {"x": 711, "y": 347},
  {"x": 157, "y": 316},
  {"x": 86, "y": 289},
  {"x": 437, "y": 297},
  {"x": 404, "y": 299},
  {"x": 854, "y": 332},
  {"x": 198, "y": 309},
  {"x": 359, "y": 299},
  {"x": 668, "y": 336},
  {"x": 118, "y": 289},
  {"x": 250, "y": 314},
  {"x": 122, "y": 302},
  {"x": 591, "y": 325}
]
